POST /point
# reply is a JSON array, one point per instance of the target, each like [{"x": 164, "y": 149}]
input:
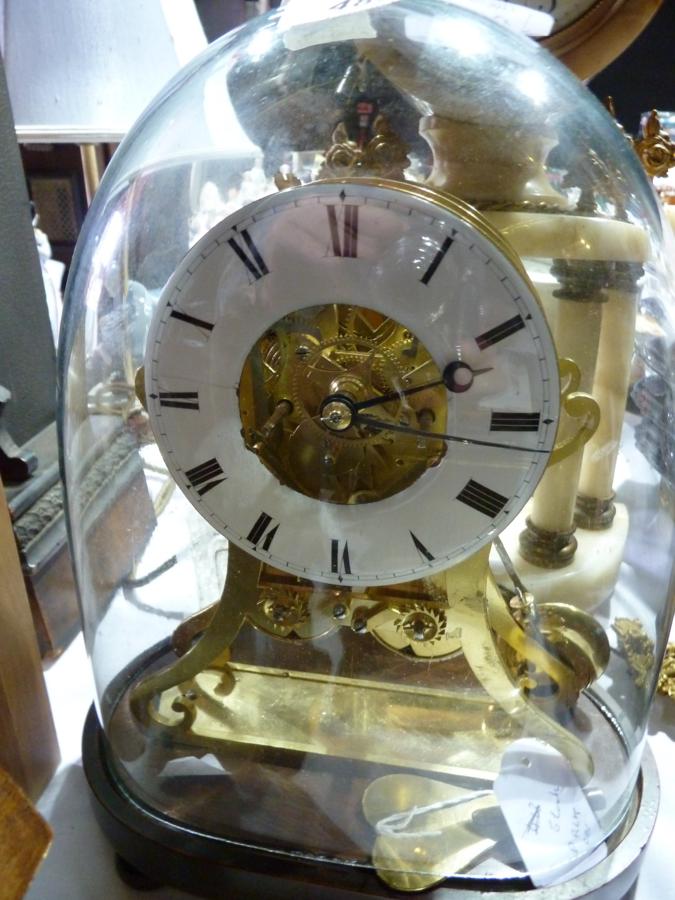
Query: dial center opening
[{"x": 303, "y": 385}]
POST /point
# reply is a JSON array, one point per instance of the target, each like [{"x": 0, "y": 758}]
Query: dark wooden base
[
  {"x": 167, "y": 853},
  {"x": 154, "y": 851}
]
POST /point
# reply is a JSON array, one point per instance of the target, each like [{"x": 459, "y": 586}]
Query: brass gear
[
  {"x": 422, "y": 624},
  {"x": 283, "y": 610}
]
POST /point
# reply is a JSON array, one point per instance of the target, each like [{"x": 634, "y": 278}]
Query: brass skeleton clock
[
  {"x": 355, "y": 383},
  {"x": 378, "y": 306}
]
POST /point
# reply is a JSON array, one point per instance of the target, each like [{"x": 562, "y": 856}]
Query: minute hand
[{"x": 359, "y": 419}]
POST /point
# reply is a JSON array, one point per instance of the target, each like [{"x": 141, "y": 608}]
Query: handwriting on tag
[
  {"x": 549, "y": 817},
  {"x": 307, "y": 23},
  {"x": 298, "y": 14},
  {"x": 518, "y": 18}
]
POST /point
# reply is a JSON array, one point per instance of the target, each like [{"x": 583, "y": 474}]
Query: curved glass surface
[{"x": 367, "y": 434}]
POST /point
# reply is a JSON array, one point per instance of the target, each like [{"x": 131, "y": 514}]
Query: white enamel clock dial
[{"x": 353, "y": 381}]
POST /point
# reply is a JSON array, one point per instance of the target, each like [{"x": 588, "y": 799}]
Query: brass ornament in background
[
  {"x": 636, "y": 648},
  {"x": 385, "y": 155},
  {"x": 655, "y": 148},
  {"x": 667, "y": 676}
]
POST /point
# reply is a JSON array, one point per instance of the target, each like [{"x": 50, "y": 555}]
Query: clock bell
[{"x": 358, "y": 331}]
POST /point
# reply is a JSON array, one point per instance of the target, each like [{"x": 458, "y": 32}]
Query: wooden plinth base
[{"x": 168, "y": 853}]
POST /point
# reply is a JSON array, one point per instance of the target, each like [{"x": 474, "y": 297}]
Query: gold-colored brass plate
[{"x": 439, "y": 731}]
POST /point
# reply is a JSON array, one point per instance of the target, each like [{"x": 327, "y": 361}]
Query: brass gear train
[
  {"x": 339, "y": 351},
  {"x": 358, "y": 380}
]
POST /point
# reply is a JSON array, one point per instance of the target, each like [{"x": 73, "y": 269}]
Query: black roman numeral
[
  {"x": 179, "y": 399},
  {"x": 205, "y": 476},
  {"x": 251, "y": 259},
  {"x": 350, "y": 230},
  {"x": 339, "y": 562},
  {"x": 421, "y": 549},
  {"x": 514, "y": 421},
  {"x": 437, "y": 260},
  {"x": 499, "y": 332},
  {"x": 482, "y": 498},
  {"x": 191, "y": 320},
  {"x": 261, "y": 530}
]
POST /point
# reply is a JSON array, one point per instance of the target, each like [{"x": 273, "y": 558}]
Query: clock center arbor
[{"x": 365, "y": 469}]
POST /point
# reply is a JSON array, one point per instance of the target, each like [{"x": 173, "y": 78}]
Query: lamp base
[{"x": 159, "y": 850}]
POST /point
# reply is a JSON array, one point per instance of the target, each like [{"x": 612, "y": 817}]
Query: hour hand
[{"x": 457, "y": 377}]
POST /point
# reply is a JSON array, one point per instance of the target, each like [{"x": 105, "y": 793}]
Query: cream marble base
[{"x": 587, "y": 582}]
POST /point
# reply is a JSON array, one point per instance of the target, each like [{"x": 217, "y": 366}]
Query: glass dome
[{"x": 366, "y": 422}]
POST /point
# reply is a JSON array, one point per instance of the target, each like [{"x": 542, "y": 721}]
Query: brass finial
[{"x": 384, "y": 155}]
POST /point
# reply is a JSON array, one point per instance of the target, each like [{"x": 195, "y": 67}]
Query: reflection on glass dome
[{"x": 367, "y": 436}]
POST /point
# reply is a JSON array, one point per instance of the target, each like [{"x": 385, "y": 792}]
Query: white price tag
[
  {"x": 306, "y": 23},
  {"x": 302, "y": 12},
  {"x": 549, "y": 817},
  {"x": 532, "y": 22},
  {"x": 299, "y": 14}
]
